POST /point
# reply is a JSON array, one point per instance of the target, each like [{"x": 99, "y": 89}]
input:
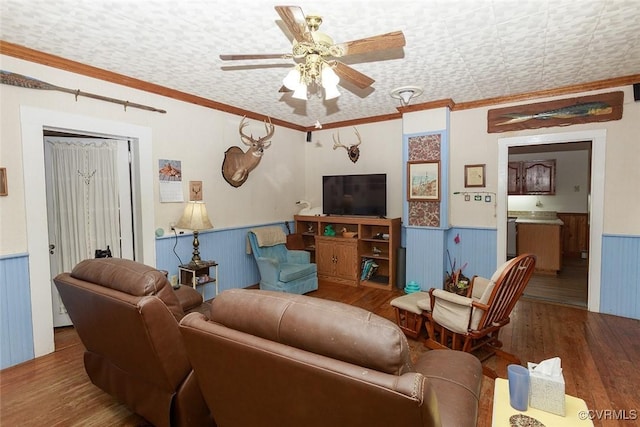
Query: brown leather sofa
[
  {"x": 126, "y": 315},
  {"x": 272, "y": 359}
]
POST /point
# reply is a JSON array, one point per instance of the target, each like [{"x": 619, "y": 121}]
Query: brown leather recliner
[
  {"x": 126, "y": 315},
  {"x": 272, "y": 359}
]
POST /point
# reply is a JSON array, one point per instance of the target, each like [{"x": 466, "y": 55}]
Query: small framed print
[
  {"x": 4, "y": 190},
  {"x": 423, "y": 181},
  {"x": 474, "y": 176},
  {"x": 195, "y": 191}
]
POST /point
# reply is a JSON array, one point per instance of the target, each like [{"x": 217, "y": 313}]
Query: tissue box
[{"x": 546, "y": 392}]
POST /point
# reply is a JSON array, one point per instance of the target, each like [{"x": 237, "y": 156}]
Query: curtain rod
[{"x": 14, "y": 79}]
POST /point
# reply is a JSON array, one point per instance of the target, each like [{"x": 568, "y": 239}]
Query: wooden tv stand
[{"x": 342, "y": 259}]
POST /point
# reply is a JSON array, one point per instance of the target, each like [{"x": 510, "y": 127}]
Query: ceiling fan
[{"x": 314, "y": 53}]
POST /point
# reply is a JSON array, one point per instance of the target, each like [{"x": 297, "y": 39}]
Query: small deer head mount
[
  {"x": 237, "y": 163},
  {"x": 353, "y": 151}
]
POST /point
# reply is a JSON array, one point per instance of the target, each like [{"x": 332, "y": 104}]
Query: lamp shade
[
  {"x": 292, "y": 80},
  {"x": 300, "y": 92},
  {"x": 195, "y": 217},
  {"x": 329, "y": 77},
  {"x": 331, "y": 92}
]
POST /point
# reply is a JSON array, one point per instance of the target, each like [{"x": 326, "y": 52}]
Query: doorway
[
  {"x": 33, "y": 121},
  {"x": 598, "y": 139},
  {"x": 568, "y": 203},
  {"x": 89, "y": 205}
]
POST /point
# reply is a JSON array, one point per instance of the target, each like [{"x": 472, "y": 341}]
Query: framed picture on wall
[
  {"x": 4, "y": 190},
  {"x": 474, "y": 176},
  {"x": 423, "y": 181}
]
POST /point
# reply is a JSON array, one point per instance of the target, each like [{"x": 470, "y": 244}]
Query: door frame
[
  {"x": 598, "y": 138},
  {"x": 124, "y": 247},
  {"x": 33, "y": 121}
]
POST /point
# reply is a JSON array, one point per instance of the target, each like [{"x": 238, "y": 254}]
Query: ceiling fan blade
[
  {"x": 356, "y": 77},
  {"x": 295, "y": 21},
  {"x": 254, "y": 56},
  {"x": 369, "y": 44}
]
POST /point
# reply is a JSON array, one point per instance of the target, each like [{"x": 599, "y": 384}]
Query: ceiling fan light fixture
[
  {"x": 300, "y": 92},
  {"x": 329, "y": 77},
  {"x": 331, "y": 92},
  {"x": 406, "y": 93},
  {"x": 292, "y": 79},
  {"x": 330, "y": 82}
]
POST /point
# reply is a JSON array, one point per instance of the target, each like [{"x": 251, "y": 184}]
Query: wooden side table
[
  {"x": 576, "y": 411},
  {"x": 200, "y": 274}
]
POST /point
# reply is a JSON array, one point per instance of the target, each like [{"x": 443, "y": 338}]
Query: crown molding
[
  {"x": 38, "y": 57},
  {"x": 32, "y": 55}
]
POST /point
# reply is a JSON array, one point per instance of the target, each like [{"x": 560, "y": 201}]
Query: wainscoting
[
  {"x": 427, "y": 258},
  {"x": 16, "y": 330},
  {"x": 236, "y": 267},
  {"x": 620, "y": 289}
]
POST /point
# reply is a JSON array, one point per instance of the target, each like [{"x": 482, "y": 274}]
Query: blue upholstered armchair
[{"x": 281, "y": 269}]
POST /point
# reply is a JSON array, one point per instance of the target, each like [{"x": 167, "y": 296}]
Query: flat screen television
[{"x": 364, "y": 195}]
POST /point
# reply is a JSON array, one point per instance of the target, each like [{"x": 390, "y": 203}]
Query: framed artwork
[
  {"x": 474, "y": 176},
  {"x": 423, "y": 181},
  {"x": 4, "y": 190},
  {"x": 195, "y": 190},
  {"x": 602, "y": 107}
]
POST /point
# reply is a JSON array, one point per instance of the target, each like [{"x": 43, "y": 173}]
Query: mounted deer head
[
  {"x": 352, "y": 150},
  {"x": 237, "y": 163}
]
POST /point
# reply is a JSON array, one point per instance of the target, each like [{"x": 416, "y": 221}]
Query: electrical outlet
[{"x": 172, "y": 226}]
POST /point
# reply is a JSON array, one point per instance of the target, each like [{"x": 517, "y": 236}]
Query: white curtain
[{"x": 85, "y": 199}]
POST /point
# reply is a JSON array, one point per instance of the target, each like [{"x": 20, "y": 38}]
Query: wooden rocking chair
[{"x": 472, "y": 324}]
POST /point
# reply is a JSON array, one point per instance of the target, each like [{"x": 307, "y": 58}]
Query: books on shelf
[{"x": 368, "y": 268}]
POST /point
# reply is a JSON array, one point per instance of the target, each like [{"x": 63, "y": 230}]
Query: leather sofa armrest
[
  {"x": 456, "y": 379},
  {"x": 188, "y": 297}
]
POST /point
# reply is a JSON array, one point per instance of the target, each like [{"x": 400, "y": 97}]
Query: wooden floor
[
  {"x": 568, "y": 287},
  {"x": 599, "y": 356}
]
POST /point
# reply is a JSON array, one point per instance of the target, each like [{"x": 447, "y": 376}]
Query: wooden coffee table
[{"x": 576, "y": 411}]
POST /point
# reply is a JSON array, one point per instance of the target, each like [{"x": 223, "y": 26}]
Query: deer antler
[
  {"x": 250, "y": 140},
  {"x": 270, "y": 128},
  {"x": 338, "y": 143}
]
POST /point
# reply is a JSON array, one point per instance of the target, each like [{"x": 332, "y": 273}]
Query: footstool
[{"x": 408, "y": 314}]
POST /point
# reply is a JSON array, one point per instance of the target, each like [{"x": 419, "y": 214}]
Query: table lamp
[{"x": 195, "y": 218}]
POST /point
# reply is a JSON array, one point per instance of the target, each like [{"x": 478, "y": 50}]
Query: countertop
[
  {"x": 536, "y": 217},
  {"x": 525, "y": 220}
]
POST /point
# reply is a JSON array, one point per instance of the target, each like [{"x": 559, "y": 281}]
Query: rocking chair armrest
[
  {"x": 451, "y": 297},
  {"x": 479, "y": 305},
  {"x": 451, "y": 310}
]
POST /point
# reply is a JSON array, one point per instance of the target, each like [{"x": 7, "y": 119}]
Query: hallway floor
[{"x": 568, "y": 287}]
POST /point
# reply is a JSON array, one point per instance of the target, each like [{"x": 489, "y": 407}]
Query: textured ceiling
[{"x": 465, "y": 50}]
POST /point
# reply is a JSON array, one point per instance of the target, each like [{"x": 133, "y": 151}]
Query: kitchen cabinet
[
  {"x": 575, "y": 234},
  {"x": 532, "y": 177},
  {"x": 544, "y": 240}
]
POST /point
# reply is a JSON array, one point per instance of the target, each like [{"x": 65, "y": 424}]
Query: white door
[{"x": 73, "y": 241}]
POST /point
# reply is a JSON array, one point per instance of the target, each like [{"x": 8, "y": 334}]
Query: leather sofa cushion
[
  {"x": 349, "y": 333},
  {"x": 129, "y": 277}
]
